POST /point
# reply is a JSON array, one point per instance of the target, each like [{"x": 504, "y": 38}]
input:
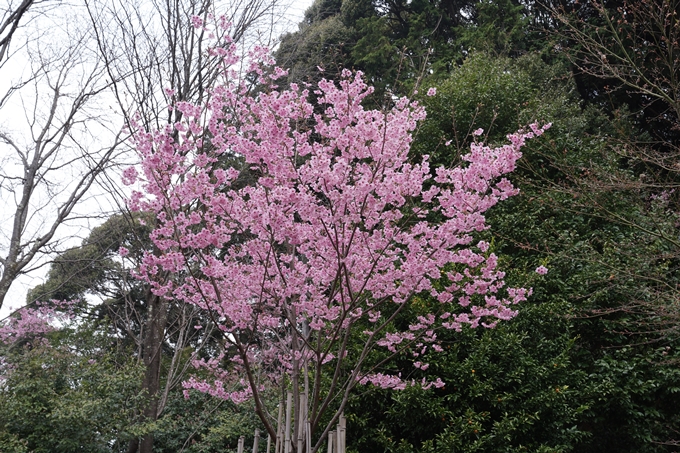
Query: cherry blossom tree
[
  {"x": 34, "y": 321},
  {"x": 305, "y": 233},
  {"x": 29, "y": 326}
]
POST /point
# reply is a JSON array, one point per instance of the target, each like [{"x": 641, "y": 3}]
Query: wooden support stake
[
  {"x": 331, "y": 436},
  {"x": 256, "y": 440},
  {"x": 344, "y": 433},
  {"x": 301, "y": 423},
  {"x": 342, "y": 429},
  {"x": 289, "y": 407},
  {"x": 241, "y": 442},
  {"x": 279, "y": 429}
]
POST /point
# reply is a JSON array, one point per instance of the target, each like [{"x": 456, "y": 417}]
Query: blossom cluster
[
  {"x": 36, "y": 320},
  {"x": 29, "y": 327},
  {"x": 299, "y": 227}
]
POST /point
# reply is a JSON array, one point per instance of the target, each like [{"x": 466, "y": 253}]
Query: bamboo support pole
[
  {"x": 256, "y": 440},
  {"x": 331, "y": 438},
  {"x": 289, "y": 407}
]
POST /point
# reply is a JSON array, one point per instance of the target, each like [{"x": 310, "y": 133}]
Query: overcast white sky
[{"x": 14, "y": 117}]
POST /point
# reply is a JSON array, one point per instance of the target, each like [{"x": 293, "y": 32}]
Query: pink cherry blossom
[
  {"x": 196, "y": 21},
  {"x": 129, "y": 176},
  {"x": 34, "y": 321},
  {"x": 318, "y": 234}
]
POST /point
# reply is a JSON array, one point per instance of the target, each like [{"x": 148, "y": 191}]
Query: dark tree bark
[
  {"x": 153, "y": 345},
  {"x": 10, "y": 24}
]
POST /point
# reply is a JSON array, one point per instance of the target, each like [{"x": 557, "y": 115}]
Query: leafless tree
[
  {"x": 156, "y": 56},
  {"x": 636, "y": 44},
  {"x": 55, "y": 142}
]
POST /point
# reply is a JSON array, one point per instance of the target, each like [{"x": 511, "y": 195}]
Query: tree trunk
[{"x": 152, "y": 355}]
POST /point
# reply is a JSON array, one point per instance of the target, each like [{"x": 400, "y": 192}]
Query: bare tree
[
  {"x": 156, "y": 55},
  {"x": 55, "y": 143},
  {"x": 636, "y": 43}
]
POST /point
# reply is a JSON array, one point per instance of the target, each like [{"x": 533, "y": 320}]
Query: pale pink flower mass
[
  {"x": 320, "y": 240},
  {"x": 129, "y": 176},
  {"x": 541, "y": 270}
]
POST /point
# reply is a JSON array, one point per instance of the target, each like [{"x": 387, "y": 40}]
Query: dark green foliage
[
  {"x": 95, "y": 270},
  {"x": 605, "y": 259},
  {"x": 498, "y": 95},
  {"x": 94, "y": 267},
  {"x": 202, "y": 424},
  {"x": 317, "y": 44},
  {"x": 67, "y": 395},
  {"x": 628, "y": 394},
  {"x": 499, "y": 27},
  {"x": 397, "y": 43},
  {"x": 508, "y": 389}
]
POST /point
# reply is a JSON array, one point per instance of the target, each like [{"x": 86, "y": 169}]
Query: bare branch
[{"x": 10, "y": 24}]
